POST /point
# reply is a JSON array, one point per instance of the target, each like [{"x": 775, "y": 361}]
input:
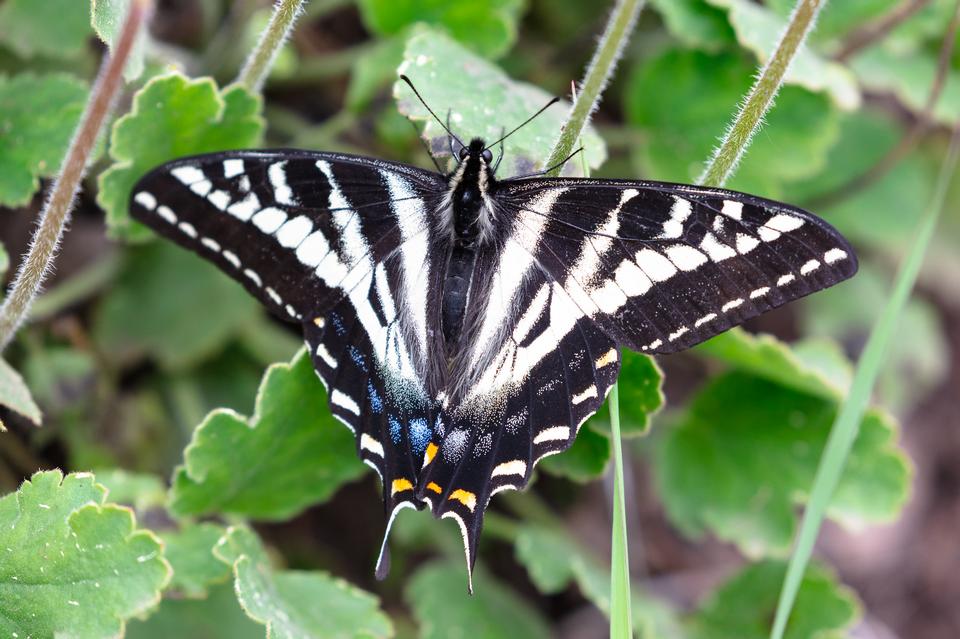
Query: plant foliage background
[{"x": 205, "y": 491}]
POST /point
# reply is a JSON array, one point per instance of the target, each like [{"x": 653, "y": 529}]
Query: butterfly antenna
[
  {"x": 427, "y": 106},
  {"x": 525, "y": 122}
]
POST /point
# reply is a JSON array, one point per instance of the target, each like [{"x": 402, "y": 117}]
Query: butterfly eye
[
  {"x": 487, "y": 156},
  {"x": 463, "y": 153}
]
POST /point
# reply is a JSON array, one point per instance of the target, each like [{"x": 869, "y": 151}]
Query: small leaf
[
  {"x": 745, "y": 453},
  {"x": 744, "y": 606},
  {"x": 298, "y": 604},
  {"x": 190, "y": 553},
  {"x": 38, "y": 114},
  {"x": 15, "y": 395},
  {"x": 758, "y": 29},
  {"x": 219, "y": 616},
  {"x": 56, "y": 28},
  {"x": 548, "y": 557},
  {"x": 641, "y": 395},
  {"x": 289, "y": 455},
  {"x": 154, "y": 309},
  {"x": 696, "y": 24},
  {"x": 482, "y": 100},
  {"x": 73, "y": 566},
  {"x": 585, "y": 461},
  {"x": 172, "y": 117},
  {"x": 107, "y": 18},
  {"x": 437, "y": 595},
  {"x": 683, "y": 124},
  {"x": 488, "y": 27},
  {"x": 140, "y": 490}
]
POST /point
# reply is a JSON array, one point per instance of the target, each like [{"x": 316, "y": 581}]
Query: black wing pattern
[{"x": 351, "y": 249}]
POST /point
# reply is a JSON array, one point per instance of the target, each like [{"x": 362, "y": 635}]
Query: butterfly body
[{"x": 466, "y": 327}]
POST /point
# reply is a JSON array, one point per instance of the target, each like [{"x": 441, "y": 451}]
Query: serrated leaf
[
  {"x": 56, "y": 28},
  {"x": 172, "y": 117},
  {"x": 437, "y": 595},
  {"x": 584, "y": 461},
  {"x": 170, "y": 305},
  {"x": 289, "y": 455},
  {"x": 744, "y": 606},
  {"x": 218, "y": 616},
  {"x": 140, "y": 490},
  {"x": 744, "y": 455},
  {"x": 15, "y": 395},
  {"x": 488, "y": 27},
  {"x": 190, "y": 553},
  {"x": 767, "y": 357},
  {"x": 38, "y": 114},
  {"x": 696, "y": 24},
  {"x": 298, "y": 604},
  {"x": 73, "y": 565},
  {"x": 758, "y": 28},
  {"x": 482, "y": 100},
  {"x": 107, "y": 18},
  {"x": 684, "y": 123}
]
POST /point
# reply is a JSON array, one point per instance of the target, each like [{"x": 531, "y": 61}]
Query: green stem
[
  {"x": 621, "y": 623},
  {"x": 750, "y": 117},
  {"x": 56, "y": 211},
  {"x": 604, "y": 61},
  {"x": 257, "y": 66}
]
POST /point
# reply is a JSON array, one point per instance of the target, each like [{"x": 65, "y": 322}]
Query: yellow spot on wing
[
  {"x": 319, "y": 321},
  {"x": 429, "y": 454},
  {"x": 607, "y": 358},
  {"x": 434, "y": 487},
  {"x": 399, "y": 485},
  {"x": 465, "y": 497}
]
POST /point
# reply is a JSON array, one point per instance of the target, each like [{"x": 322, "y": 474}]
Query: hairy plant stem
[
  {"x": 758, "y": 101},
  {"x": 614, "y": 39},
  {"x": 257, "y": 66},
  {"x": 56, "y": 211}
]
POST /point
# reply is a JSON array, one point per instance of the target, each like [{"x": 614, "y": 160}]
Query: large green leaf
[
  {"x": 482, "y": 100},
  {"x": 72, "y": 565},
  {"x": 219, "y": 616},
  {"x": 489, "y": 27},
  {"x": 57, "y": 28},
  {"x": 190, "y": 553},
  {"x": 38, "y": 114},
  {"x": 172, "y": 306},
  {"x": 297, "y": 604},
  {"x": 438, "y": 596},
  {"x": 744, "y": 455},
  {"x": 744, "y": 606},
  {"x": 173, "y": 117},
  {"x": 584, "y": 461},
  {"x": 289, "y": 455}
]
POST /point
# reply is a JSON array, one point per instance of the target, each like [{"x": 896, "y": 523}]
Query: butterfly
[{"x": 465, "y": 327}]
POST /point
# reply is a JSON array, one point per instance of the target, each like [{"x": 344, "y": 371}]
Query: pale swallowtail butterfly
[{"x": 466, "y": 327}]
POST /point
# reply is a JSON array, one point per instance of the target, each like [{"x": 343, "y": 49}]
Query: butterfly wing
[{"x": 338, "y": 244}]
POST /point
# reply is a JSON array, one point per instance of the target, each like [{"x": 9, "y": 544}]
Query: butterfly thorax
[{"x": 471, "y": 214}]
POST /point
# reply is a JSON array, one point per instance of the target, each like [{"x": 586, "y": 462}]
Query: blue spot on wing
[
  {"x": 394, "y": 429},
  {"x": 358, "y": 358},
  {"x": 376, "y": 402},
  {"x": 419, "y": 434},
  {"x": 338, "y": 324}
]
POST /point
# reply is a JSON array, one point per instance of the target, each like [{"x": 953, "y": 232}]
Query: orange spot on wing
[{"x": 465, "y": 497}]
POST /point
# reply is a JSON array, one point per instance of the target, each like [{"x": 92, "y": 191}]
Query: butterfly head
[
  {"x": 476, "y": 149},
  {"x": 471, "y": 186}
]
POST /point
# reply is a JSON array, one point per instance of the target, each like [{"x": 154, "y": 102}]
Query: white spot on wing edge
[
  {"x": 345, "y": 402},
  {"x": 167, "y": 214},
  {"x": 232, "y": 167},
  {"x": 211, "y": 244},
  {"x": 231, "y": 257},
  {"x": 760, "y": 292},
  {"x": 709, "y": 317},
  {"x": 732, "y": 209},
  {"x": 188, "y": 229},
  {"x": 834, "y": 255},
  {"x": 325, "y": 355},
  {"x": 809, "y": 267},
  {"x": 187, "y": 174},
  {"x": 732, "y": 304},
  {"x": 786, "y": 279},
  {"x": 369, "y": 443},
  {"x": 278, "y": 180},
  {"x": 514, "y": 467},
  {"x": 146, "y": 200},
  {"x": 554, "y": 433},
  {"x": 784, "y": 223},
  {"x": 587, "y": 393}
]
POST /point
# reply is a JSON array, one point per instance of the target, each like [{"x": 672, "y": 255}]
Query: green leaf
[
  {"x": 488, "y": 27},
  {"x": 758, "y": 28},
  {"x": 744, "y": 606},
  {"x": 15, "y": 395},
  {"x": 4, "y": 262},
  {"x": 548, "y": 556},
  {"x": 153, "y": 309},
  {"x": 219, "y": 616},
  {"x": 140, "y": 490},
  {"x": 374, "y": 70},
  {"x": 73, "y": 566},
  {"x": 482, "y": 100},
  {"x": 437, "y": 594},
  {"x": 767, "y": 357},
  {"x": 190, "y": 553},
  {"x": 744, "y": 455},
  {"x": 289, "y": 455},
  {"x": 298, "y": 604},
  {"x": 641, "y": 395},
  {"x": 38, "y": 114},
  {"x": 684, "y": 123},
  {"x": 56, "y": 28},
  {"x": 107, "y": 18},
  {"x": 173, "y": 117},
  {"x": 585, "y": 461},
  {"x": 696, "y": 24}
]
